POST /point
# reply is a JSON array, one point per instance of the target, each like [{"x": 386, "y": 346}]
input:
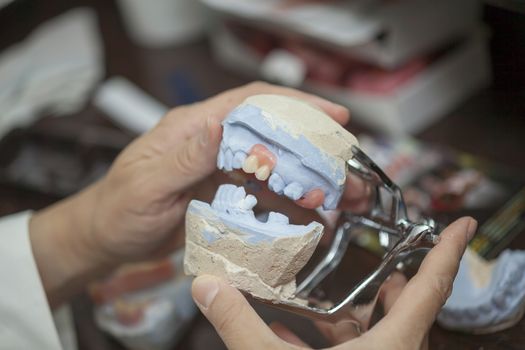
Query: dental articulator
[
  {"x": 306, "y": 156},
  {"x": 405, "y": 244}
]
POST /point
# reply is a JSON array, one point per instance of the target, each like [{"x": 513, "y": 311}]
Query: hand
[
  {"x": 410, "y": 308},
  {"x": 144, "y": 197},
  {"x": 134, "y": 210}
]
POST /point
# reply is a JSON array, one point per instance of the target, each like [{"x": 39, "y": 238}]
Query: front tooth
[
  {"x": 238, "y": 159},
  {"x": 263, "y": 173},
  {"x": 228, "y": 159},
  {"x": 276, "y": 183},
  {"x": 251, "y": 164},
  {"x": 294, "y": 191}
]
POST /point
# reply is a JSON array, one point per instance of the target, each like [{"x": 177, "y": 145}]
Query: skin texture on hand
[
  {"x": 136, "y": 210},
  {"x": 410, "y": 308}
]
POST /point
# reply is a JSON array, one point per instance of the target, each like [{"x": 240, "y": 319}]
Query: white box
[
  {"x": 415, "y": 105},
  {"x": 426, "y": 97},
  {"x": 386, "y": 33}
]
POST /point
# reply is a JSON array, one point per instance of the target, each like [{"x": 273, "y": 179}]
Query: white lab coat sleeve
[{"x": 26, "y": 321}]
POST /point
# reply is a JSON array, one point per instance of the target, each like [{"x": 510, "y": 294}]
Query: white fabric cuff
[{"x": 26, "y": 321}]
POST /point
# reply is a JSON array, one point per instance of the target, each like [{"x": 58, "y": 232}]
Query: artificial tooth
[
  {"x": 250, "y": 165},
  {"x": 263, "y": 173},
  {"x": 294, "y": 191}
]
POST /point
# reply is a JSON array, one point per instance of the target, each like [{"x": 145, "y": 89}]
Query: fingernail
[
  {"x": 204, "y": 290},
  {"x": 471, "y": 228}
]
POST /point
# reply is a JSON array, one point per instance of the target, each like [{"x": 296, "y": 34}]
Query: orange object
[{"x": 132, "y": 278}]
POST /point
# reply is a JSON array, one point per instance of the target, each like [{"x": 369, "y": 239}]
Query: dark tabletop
[{"x": 490, "y": 124}]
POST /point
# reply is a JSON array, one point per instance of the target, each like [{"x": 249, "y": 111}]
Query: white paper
[
  {"x": 343, "y": 24},
  {"x": 52, "y": 71}
]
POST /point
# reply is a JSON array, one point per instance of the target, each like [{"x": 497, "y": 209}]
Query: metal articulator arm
[{"x": 405, "y": 242}]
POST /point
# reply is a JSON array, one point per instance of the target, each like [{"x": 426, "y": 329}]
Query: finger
[
  {"x": 191, "y": 161},
  {"x": 236, "y": 96},
  {"x": 356, "y": 196},
  {"x": 424, "y": 345},
  {"x": 391, "y": 290},
  {"x": 424, "y": 295},
  {"x": 355, "y": 188},
  {"x": 287, "y": 335},
  {"x": 234, "y": 319},
  {"x": 184, "y": 121},
  {"x": 338, "y": 333}
]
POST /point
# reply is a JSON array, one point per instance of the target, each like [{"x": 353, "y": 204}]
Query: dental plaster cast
[
  {"x": 487, "y": 296},
  {"x": 302, "y": 153},
  {"x": 261, "y": 258},
  {"x": 298, "y": 148}
]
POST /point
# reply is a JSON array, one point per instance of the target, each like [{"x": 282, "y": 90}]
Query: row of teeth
[
  {"x": 501, "y": 299},
  {"x": 229, "y": 161},
  {"x": 251, "y": 166},
  {"x": 233, "y": 200}
]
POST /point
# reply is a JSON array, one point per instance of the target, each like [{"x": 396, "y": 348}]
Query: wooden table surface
[{"x": 491, "y": 125}]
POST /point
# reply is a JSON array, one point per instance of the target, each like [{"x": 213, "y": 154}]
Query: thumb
[
  {"x": 234, "y": 319},
  {"x": 194, "y": 159}
]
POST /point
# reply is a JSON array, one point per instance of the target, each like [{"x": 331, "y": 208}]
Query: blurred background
[{"x": 436, "y": 90}]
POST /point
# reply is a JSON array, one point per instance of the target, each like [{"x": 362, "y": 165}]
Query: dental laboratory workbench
[{"x": 490, "y": 125}]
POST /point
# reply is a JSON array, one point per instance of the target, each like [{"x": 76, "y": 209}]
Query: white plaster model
[
  {"x": 227, "y": 240},
  {"x": 165, "y": 311},
  {"x": 487, "y": 296},
  {"x": 310, "y": 148},
  {"x": 302, "y": 153}
]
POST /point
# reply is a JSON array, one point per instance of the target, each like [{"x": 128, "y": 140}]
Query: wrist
[{"x": 65, "y": 252}]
